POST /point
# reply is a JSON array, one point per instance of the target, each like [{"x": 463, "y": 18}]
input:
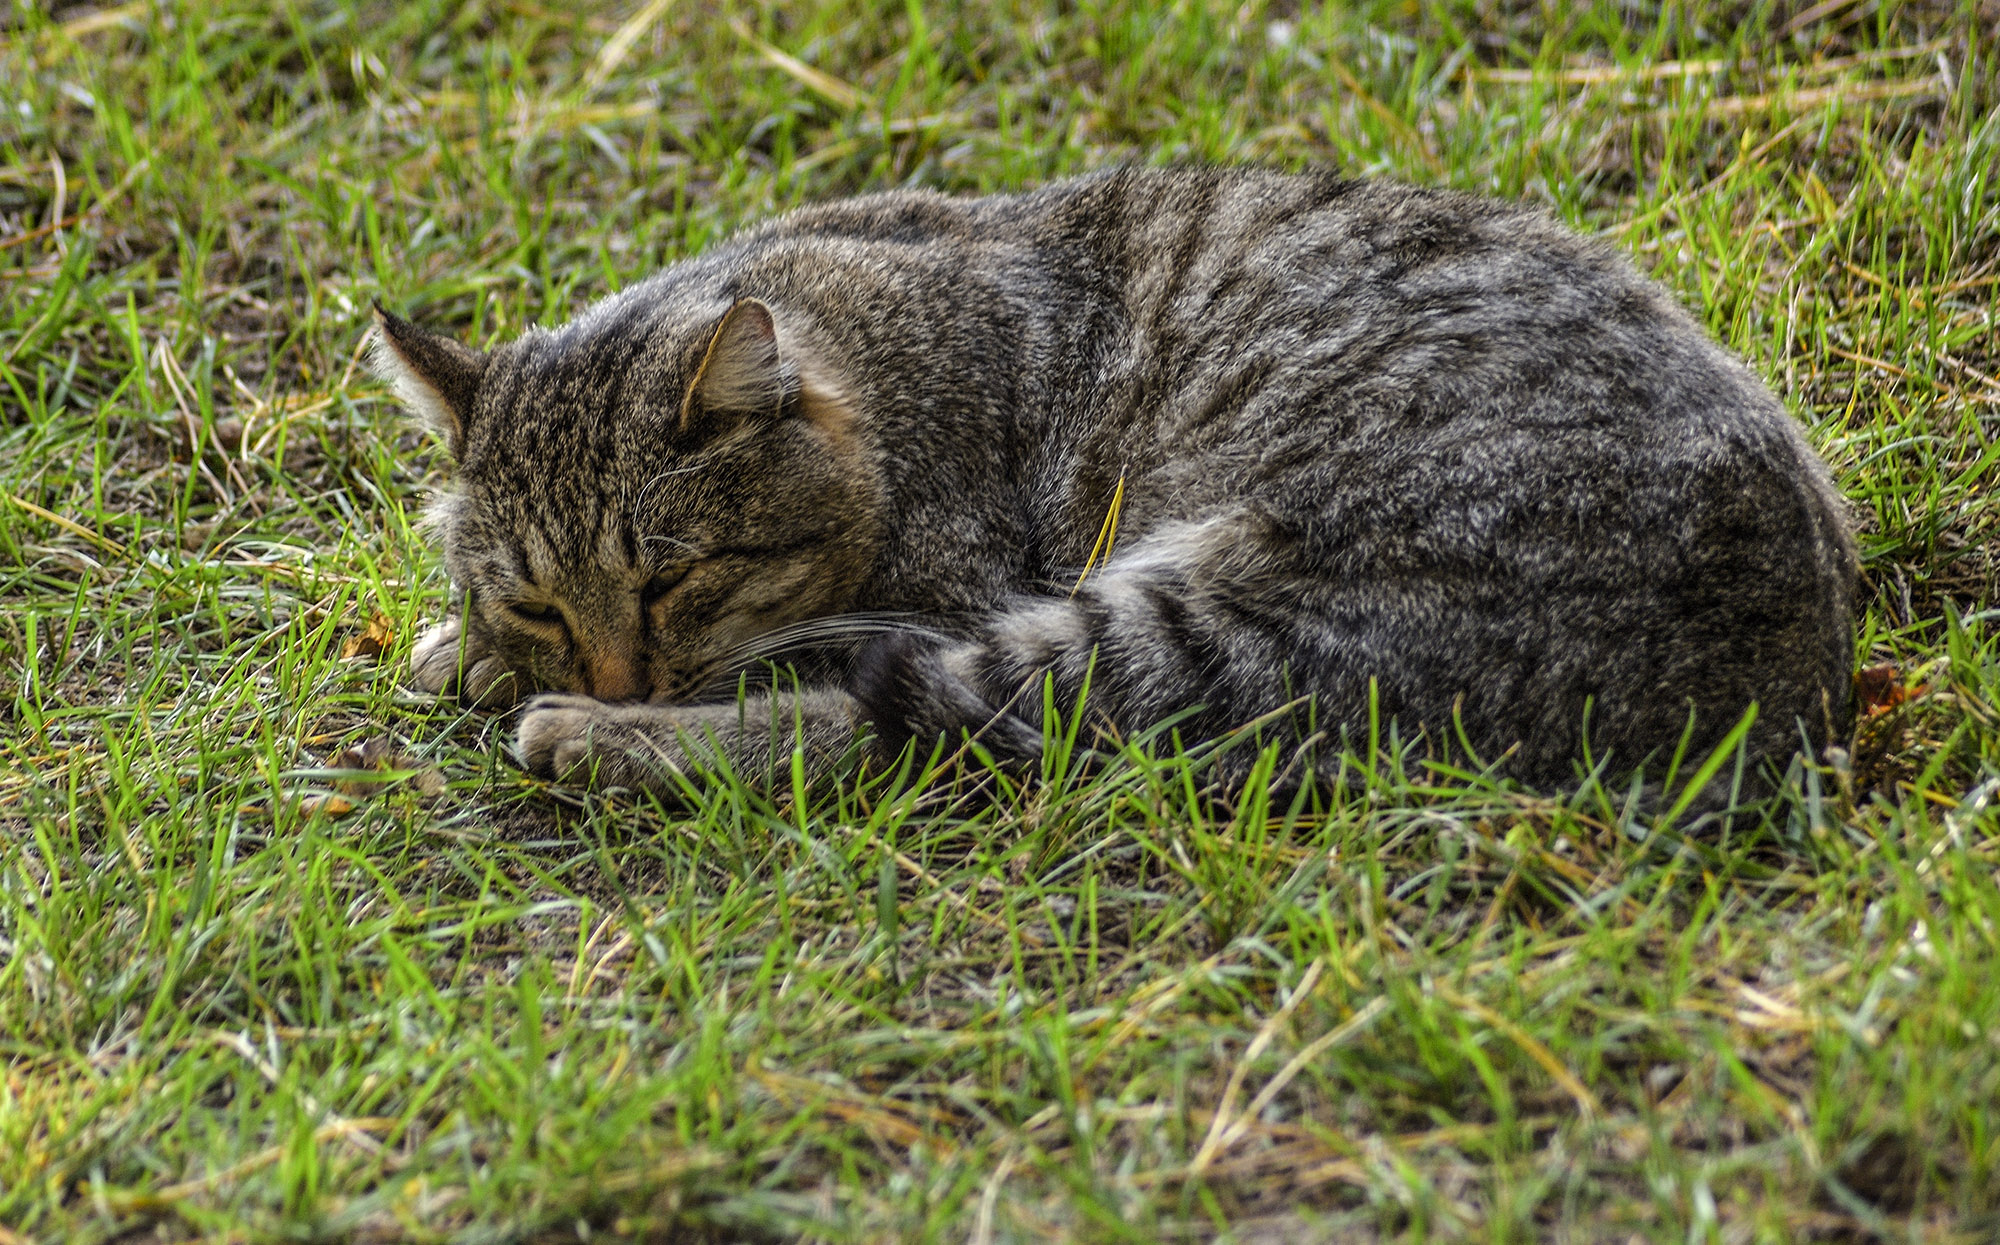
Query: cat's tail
[
  {"x": 911, "y": 688},
  {"x": 1193, "y": 619}
]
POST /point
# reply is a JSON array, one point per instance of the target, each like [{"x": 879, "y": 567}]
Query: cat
[{"x": 1372, "y": 449}]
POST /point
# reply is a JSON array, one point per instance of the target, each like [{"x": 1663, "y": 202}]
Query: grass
[{"x": 246, "y": 994}]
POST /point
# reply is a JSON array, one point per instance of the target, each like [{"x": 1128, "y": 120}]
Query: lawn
[{"x": 288, "y": 950}]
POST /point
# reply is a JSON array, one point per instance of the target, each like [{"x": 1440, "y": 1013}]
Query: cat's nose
[{"x": 615, "y": 676}]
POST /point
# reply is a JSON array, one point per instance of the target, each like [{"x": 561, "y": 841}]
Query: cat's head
[{"x": 641, "y": 495}]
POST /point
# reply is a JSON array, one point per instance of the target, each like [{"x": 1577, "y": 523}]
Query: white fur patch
[
  {"x": 416, "y": 394},
  {"x": 1045, "y": 624}
]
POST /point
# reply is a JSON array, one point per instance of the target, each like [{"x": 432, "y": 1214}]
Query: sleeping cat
[{"x": 1365, "y": 442}]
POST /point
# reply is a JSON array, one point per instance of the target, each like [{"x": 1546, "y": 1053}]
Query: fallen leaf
[
  {"x": 1880, "y": 688},
  {"x": 375, "y": 753},
  {"x": 193, "y": 537},
  {"x": 331, "y": 805},
  {"x": 372, "y": 642},
  {"x": 374, "y": 759}
]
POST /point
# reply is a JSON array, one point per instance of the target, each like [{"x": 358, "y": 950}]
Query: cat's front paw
[
  {"x": 578, "y": 739},
  {"x": 452, "y": 660}
]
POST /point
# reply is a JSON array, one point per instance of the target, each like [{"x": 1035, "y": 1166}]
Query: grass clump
[{"x": 248, "y": 990}]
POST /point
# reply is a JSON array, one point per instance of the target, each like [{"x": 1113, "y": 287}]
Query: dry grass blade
[
  {"x": 1107, "y": 535},
  {"x": 821, "y": 83},
  {"x": 883, "y": 1118},
  {"x": 1408, "y": 133},
  {"x": 1594, "y": 75},
  {"x": 1219, "y": 1130},
  {"x": 989, "y": 1199},
  {"x": 1221, "y": 1136},
  {"x": 1806, "y": 100},
  {"x": 1586, "y": 1102},
  {"x": 619, "y": 45},
  {"x": 1814, "y": 13},
  {"x": 157, "y": 1199},
  {"x": 57, "y": 222},
  {"x": 73, "y": 527}
]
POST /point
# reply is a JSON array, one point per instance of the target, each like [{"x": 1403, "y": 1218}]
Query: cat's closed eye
[
  {"x": 539, "y": 612},
  {"x": 660, "y": 585}
]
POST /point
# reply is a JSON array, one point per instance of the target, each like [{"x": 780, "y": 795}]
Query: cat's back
[
  {"x": 1356, "y": 347},
  {"x": 1228, "y": 314},
  {"x": 1383, "y": 294},
  {"x": 1270, "y": 318}
]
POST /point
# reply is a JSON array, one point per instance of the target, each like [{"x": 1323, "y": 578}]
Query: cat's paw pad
[
  {"x": 449, "y": 660},
  {"x": 570, "y": 738}
]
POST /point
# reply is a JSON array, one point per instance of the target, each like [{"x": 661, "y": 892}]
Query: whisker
[
  {"x": 725, "y": 671},
  {"x": 662, "y": 478},
  {"x": 846, "y": 626},
  {"x": 675, "y": 541}
]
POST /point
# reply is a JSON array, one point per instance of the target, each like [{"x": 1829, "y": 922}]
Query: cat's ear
[
  {"x": 741, "y": 372},
  {"x": 436, "y": 377}
]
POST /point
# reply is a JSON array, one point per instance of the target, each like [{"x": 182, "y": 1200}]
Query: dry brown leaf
[
  {"x": 1880, "y": 688},
  {"x": 375, "y": 640},
  {"x": 373, "y": 753},
  {"x": 375, "y": 758},
  {"x": 331, "y": 805}
]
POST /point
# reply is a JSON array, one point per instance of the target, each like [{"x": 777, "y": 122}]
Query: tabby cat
[{"x": 1372, "y": 449}]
